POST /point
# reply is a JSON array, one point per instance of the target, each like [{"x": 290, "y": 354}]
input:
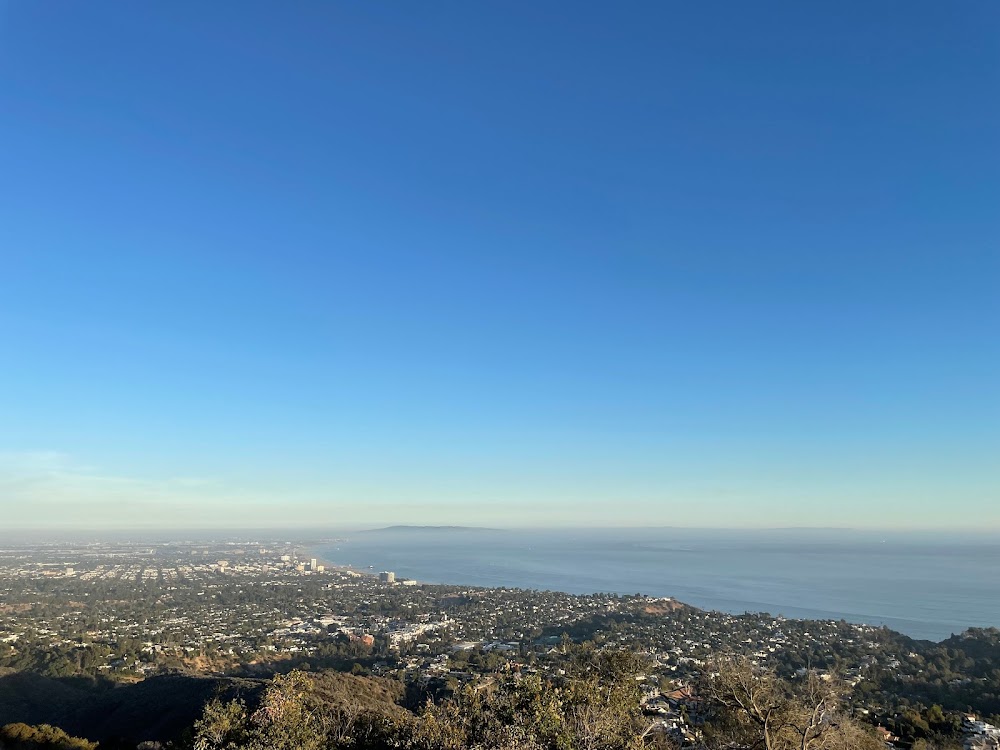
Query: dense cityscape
[{"x": 129, "y": 612}]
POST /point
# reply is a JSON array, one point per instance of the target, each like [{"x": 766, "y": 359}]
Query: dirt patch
[{"x": 662, "y": 608}]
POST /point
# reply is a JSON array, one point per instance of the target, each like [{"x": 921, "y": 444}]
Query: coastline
[
  {"x": 833, "y": 617},
  {"x": 917, "y": 595},
  {"x": 309, "y": 552}
]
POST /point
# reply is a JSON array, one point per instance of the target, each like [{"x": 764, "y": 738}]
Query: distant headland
[{"x": 420, "y": 529}]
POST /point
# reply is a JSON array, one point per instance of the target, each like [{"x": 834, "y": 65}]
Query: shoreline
[
  {"x": 774, "y": 610},
  {"x": 307, "y": 553}
]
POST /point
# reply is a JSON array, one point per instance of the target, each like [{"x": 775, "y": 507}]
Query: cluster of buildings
[
  {"x": 980, "y": 735},
  {"x": 246, "y": 601},
  {"x": 387, "y": 576},
  {"x": 164, "y": 563},
  {"x": 217, "y": 608}
]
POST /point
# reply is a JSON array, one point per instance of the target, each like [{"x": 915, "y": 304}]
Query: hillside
[{"x": 160, "y": 707}]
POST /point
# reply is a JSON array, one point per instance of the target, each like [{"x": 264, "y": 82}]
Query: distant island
[{"x": 420, "y": 529}]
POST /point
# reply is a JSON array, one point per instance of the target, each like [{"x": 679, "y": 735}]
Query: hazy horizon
[{"x": 249, "y": 534}]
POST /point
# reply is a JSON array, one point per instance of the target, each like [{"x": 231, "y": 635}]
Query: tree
[
  {"x": 300, "y": 712},
  {"x": 751, "y": 707},
  {"x": 286, "y": 719},
  {"x": 595, "y": 709},
  {"x": 221, "y": 726},
  {"x": 43, "y": 736}
]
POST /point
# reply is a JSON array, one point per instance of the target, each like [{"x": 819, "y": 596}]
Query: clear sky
[{"x": 505, "y": 263}]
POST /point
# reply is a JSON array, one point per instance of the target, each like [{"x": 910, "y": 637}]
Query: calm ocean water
[{"x": 924, "y": 585}]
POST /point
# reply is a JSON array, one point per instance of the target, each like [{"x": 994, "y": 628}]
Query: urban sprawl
[{"x": 133, "y": 611}]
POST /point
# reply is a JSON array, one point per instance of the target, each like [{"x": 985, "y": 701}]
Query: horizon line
[{"x": 320, "y": 530}]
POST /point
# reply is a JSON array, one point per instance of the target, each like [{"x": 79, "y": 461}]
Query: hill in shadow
[
  {"x": 162, "y": 707},
  {"x": 158, "y": 708}
]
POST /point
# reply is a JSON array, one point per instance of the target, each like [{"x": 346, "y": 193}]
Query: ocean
[{"x": 927, "y": 586}]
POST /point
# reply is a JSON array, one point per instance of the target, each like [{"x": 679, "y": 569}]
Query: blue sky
[{"x": 697, "y": 264}]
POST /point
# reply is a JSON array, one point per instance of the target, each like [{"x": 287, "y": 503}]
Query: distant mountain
[{"x": 421, "y": 529}]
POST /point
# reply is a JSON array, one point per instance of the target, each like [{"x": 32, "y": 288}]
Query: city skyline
[{"x": 505, "y": 266}]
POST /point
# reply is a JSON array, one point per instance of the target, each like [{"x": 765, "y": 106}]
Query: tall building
[
  {"x": 313, "y": 564},
  {"x": 387, "y": 577}
]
